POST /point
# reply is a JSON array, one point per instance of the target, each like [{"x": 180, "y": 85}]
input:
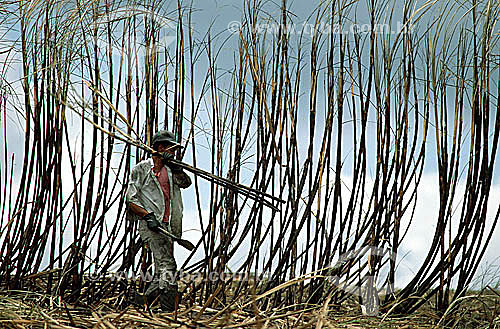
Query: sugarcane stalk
[
  {"x": 242, "y": 189},
  {"x": 252, "y": 193}
]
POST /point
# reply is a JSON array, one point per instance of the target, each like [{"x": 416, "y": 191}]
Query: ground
[{"x": 24, "y": 309}]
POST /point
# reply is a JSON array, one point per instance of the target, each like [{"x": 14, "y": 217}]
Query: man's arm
[
  {"x": 133, "y": 200},
  {"x": 150, "y": 219},
  {"x": 132, "y": 196},
  {"x": 138, "y": 210},
  {"x": 181, "y": 178}
]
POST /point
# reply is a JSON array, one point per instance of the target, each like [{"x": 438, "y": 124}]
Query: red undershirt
[{"x": 162, "y": 177}]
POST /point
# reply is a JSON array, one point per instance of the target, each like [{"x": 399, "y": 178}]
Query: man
[{"x": 154, "y": 199}]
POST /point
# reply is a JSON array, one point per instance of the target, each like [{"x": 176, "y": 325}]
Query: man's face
[{"x": 165, "y": 147}]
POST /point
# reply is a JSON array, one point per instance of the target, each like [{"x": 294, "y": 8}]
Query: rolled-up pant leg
[{"x": 165, "y": 267}]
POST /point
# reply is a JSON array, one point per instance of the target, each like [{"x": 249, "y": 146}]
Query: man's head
[{"x": 164, "y": 140}]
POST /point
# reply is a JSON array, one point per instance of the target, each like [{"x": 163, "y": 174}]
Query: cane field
[{"x": 344, "y": 158}]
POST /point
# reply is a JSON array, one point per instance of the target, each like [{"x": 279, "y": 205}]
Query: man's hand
[
  {"x": 179, "y": 176},
  {"x": 166, "y": 156},
  {"x": 153, "y": 224}
]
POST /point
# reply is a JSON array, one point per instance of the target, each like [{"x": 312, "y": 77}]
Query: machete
[{"x": 185, "y": 243}]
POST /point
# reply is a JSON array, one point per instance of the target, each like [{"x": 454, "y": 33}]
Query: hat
[{"x": 164, "y": 136}]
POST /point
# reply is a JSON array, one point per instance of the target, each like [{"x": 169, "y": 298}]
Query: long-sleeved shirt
[{"x": 145, "y": 191}]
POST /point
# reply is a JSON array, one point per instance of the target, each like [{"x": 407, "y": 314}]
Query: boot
[
  {"x": 169, "y": 300},
  {"x": 145, "y": 300}
]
